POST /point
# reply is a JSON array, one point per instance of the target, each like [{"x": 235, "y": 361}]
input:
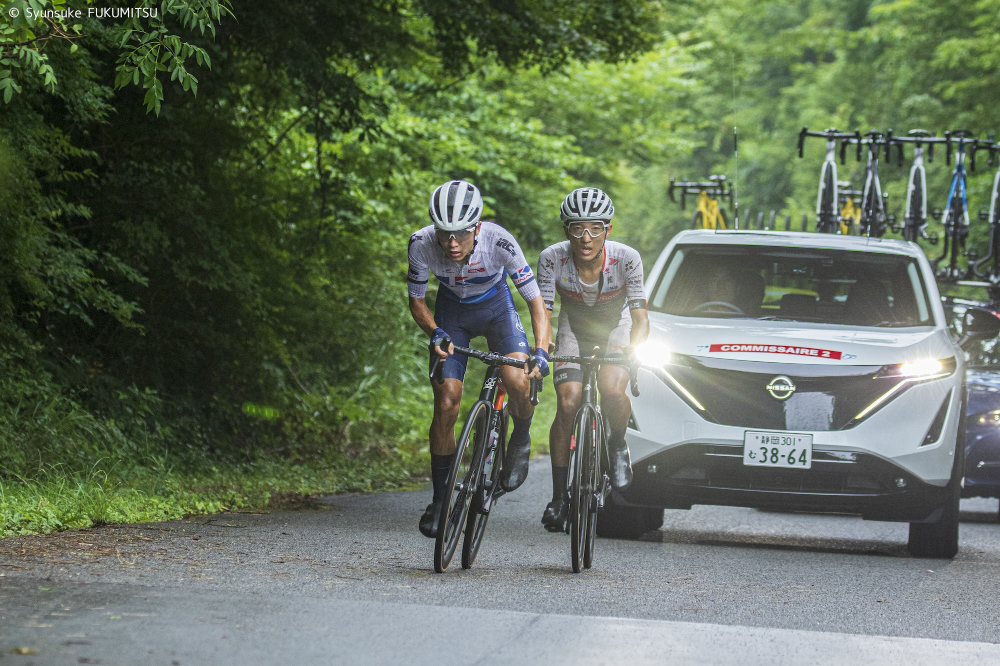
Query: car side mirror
[{"x": 979, "y": 324}]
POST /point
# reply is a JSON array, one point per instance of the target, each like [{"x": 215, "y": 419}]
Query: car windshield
[{"x": 793, "y": 284}]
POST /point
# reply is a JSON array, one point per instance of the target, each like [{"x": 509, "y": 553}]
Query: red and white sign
[{"x": 776, "y": 349}]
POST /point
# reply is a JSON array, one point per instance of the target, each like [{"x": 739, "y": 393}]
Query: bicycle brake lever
[{"x": 437, "y": 369}]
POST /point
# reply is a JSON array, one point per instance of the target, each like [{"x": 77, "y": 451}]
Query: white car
[{"x": 799, "y": 372}]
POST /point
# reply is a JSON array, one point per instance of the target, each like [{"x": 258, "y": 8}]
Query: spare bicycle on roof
[{"x": 708, "y": 214}]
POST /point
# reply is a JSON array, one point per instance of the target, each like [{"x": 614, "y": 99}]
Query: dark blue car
[{"x": 982, "y": 438}]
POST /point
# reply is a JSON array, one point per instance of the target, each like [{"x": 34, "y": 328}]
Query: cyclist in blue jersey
[
  {"x": 471, "y": 259},
  {"x": 603, "y": 304}
]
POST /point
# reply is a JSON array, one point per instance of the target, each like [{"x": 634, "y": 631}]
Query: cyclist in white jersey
[
  {"x": 602, "y": 302},
  {"x": 471, "y": 260}
]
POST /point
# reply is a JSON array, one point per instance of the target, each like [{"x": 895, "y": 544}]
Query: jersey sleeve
[
  {"x": 517, "y": 266},
  {"x": 635, "y": 289},
  {"x": 418, "y": 272},
  {"x": 546, "y": 277}
]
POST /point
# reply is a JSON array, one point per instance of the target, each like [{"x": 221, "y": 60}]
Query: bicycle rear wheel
[
  {"x": 486, "y": 487},
  {"x": 583, "y": 459},
  {"x": 461, "y": 486}
]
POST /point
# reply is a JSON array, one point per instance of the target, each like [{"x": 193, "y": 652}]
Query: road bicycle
[
  {"x": 588, "y": 479},
  {"x": 828, "y": 198},
  {"x": 915, "y": 218},
  {"x": 473, "y": 486},
  {"x": 850, "y": 212},
  {"x": 874, "y": 219},
  {"x": 955, "y": 215},
  {"x": 708, "y": 213},
  {"x": 992, "y": 215}
]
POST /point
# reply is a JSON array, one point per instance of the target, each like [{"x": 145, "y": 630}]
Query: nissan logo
[{"x": 781, "y": 388}]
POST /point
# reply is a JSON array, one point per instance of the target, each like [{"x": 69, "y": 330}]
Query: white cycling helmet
[
  {"x": 586, "y": 203},
  {"x": 456, "y": 205}
]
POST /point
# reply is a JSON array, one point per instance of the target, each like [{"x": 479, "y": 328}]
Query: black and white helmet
[
  {"x": 586, "y": 203},
  {"x": 456, "y": 205}
]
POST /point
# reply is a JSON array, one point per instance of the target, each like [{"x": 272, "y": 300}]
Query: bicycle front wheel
[
  {"x": 461, "y": 486},
  {"x": 596, "y": 485},
  {"x": 915, "y": 210},
  {"x": 698, "y": 220},
  {"x": 583, "y": 457},
  {"x": 488, "y": 475}
]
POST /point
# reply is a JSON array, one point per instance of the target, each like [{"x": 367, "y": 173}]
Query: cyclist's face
[
  {"x": 457, "y": 244},
  {"x": 587, "y": 238}
]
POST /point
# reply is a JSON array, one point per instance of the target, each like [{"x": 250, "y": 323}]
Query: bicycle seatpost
[{"x": 802, "y": 139}]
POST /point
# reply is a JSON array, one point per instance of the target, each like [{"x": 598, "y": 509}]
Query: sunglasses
[
  {"x": 593, "y": 229},
  {"x": 461, "y": 235}
]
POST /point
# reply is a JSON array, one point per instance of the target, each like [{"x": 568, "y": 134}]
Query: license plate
[{"x": 777, "y": 449}]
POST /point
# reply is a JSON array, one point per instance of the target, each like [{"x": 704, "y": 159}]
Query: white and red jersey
[
  {"x": 495, "y": 256},
  {"x": 619, "y": 286}
]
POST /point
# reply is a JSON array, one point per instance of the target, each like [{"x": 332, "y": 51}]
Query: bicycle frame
[
  {"x": 992, "y": 215},
  {"x": 955, "y": 216},
  {"x": 874, "y": 219},
  {"x": 828, "y": 219}
]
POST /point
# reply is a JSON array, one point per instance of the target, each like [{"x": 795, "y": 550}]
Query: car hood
[{"x": 798, "y": 342}]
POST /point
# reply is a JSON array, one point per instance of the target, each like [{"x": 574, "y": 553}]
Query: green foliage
[{"x": 246, "y": 245}]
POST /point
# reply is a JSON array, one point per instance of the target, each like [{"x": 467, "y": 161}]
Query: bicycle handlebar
[
  {"x": 714, "y": 187},
  {"x": 489, "y": 358},
  {"x": 633, "y": 369},
  {"x": 831, "y": 134}
]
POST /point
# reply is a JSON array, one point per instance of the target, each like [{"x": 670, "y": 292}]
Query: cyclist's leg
[
  {"x": 505, "y": 335},
  {"x": 447, "y": 402},
  {"x": 612, "y": 382},
  {"x": 568, "y": 379}
]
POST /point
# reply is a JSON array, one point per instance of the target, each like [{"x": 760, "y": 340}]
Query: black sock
[
  {"x": 521, "y": 427},
  {"x": 618, "y": 436},
  {"x": 440, "y": 466},
  {"x": 559, "y": 482}
]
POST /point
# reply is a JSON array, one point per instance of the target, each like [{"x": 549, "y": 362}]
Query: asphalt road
[{"x": 352, "y": 582}]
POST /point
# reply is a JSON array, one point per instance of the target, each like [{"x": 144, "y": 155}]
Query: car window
[{"x": 793, "y": 284}]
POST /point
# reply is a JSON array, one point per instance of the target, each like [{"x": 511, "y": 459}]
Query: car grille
[{"x": 735, "y": 392}]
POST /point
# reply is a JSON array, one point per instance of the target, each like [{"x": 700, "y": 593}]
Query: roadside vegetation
[{"x": 204, "y": 216}]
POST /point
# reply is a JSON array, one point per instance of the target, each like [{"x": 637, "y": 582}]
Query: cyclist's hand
[
  {"x": 437, "y": 338},
  {"x": 541, "y": 368}
]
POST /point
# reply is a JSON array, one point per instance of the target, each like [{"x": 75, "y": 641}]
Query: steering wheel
[{"x": 718, "y": 306}]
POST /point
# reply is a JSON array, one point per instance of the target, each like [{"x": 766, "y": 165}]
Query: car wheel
[
  {"x": 940, "y": 539},
  {"x": 615, "y": 521}
]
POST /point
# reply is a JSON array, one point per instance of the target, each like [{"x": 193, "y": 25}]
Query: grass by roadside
[{"x": 58, "y": 501}]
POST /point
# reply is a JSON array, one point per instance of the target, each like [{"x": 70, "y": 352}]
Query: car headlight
[
  {"x": 912, "y": 372},
  {"x": 990, "y": 418},
  {"x": 651, "y": 353},
  {"x": 925, "y": 368}
]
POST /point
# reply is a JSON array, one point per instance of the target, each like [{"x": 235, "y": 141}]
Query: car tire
[
  {"x": 939, "y": 540},
  {"x": 615, "y": 521}
]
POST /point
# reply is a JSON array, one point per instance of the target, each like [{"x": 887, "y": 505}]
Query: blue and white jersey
[{"x": 495, "y": 256}]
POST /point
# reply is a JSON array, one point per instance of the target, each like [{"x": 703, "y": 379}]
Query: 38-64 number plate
[{"x": 777, "y": 449}]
